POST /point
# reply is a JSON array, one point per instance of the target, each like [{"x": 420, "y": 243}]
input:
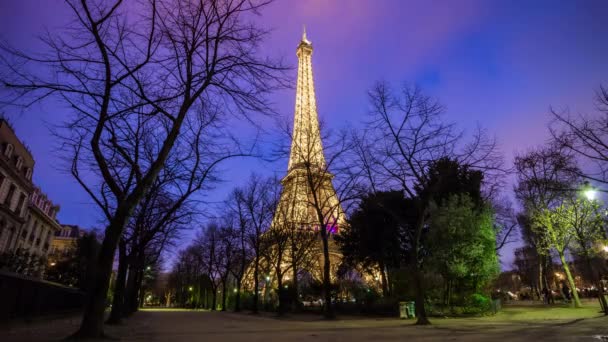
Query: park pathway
[{"x": 186, "y": 325}]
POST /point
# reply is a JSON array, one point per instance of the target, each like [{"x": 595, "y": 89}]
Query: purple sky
[{"x": 497, "y": 63}]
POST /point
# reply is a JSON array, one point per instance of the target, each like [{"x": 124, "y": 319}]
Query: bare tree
[
  {"x": 545, "y": 176},
  {"x": 227, "y": 256},
  {"x": 505, "y": 222},
  {"x": 156, "y": 223},
  {"x": 129, "y": 72},
  {"x": 405, "y": 134},
  {"x": 302, "y": 247},
  {"x": 586, "y": 137},
  {"x": 259, "y": 202},
  {"x": 235, "y": 207},
  {"x": 317, "y": 188},
  {"x": 275, "y": 244},
  {"x": 208, "y": 251}
]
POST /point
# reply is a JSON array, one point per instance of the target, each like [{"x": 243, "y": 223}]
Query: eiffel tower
[{"x": 308, "y": 199}]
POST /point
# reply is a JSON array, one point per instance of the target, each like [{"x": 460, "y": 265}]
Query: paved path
[{"x": 217, "y": 326}]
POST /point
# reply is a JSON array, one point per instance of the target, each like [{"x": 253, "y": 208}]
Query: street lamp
[
  {"x": 190, "y": 289},
  {"x": 590, "y": 194},
  {"x": 605, "y": 248}
]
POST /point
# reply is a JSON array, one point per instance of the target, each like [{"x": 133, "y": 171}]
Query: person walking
[
  {"x": 566, "y": 291},
  {"x": 545, "y": 293}
]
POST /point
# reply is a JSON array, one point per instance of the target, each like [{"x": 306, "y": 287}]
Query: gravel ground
[{"x": 513, "y": 324}]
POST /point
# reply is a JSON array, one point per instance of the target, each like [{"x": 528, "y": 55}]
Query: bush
[{"x": 478, "y": 304}]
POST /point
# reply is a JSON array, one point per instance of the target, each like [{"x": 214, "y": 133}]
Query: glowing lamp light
[
  {"x": 53, "y": 264},
  {"x": 590, "y": 194},
  {"x": 605, "y": 248},
  {"x": 190, "y": 289},
  {"x": 234, "y": 290}
]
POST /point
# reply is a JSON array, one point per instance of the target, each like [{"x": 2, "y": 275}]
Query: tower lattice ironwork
[{"x": 307, "y": 187}]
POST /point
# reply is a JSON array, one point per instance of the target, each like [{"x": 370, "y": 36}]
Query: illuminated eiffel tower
[
  {"x": 297, "y": 204},
  {"x": 308, "y": 199}
]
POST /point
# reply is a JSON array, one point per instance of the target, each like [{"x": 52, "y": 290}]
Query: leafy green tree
[
  {"x": 461, "y": 244},
  {"x": 585, "y": 218},
  {"x": 556, "y": 231},
  {"x": 544, "y": 178}
]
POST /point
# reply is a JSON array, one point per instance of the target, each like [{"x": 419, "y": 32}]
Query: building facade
[
  {"x": 16, "y": 168},
  {"x": 65, "y": 240},
  {"x": 28, "y": 220},
  {"x": 41, "y": 225}
]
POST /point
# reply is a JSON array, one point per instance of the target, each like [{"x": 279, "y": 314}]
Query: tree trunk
[
  {"x": 256, "y": 282},
  {"x": 138, "y": 293},
  {"x": 418, "y": 286},
  {"x": 596, "y": 279},
  {"x": 577, "y": 302},
  {"x": 383, "y": 280},
  {"x": 237, "y": 298},
  {"x": 280, "y": 309},
  {"x": 119, "y": 287},
  {"x": 540, "y": 275},
  {"x": 328, "y": 311},
  {"x": 130, "y": 291},
  {"x": 450, "y": 295},
  {"x": 419, "y": 300},
  {"x": 214, "y": 299},
  {"x": 294, "y": 283},
  {"x": 224, "y": 294},
  {"x": 92, "y": 319},
  {"x": 140, "y": 302}
]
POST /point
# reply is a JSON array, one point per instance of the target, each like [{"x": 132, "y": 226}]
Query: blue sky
[{"x": 500, "y": 64}]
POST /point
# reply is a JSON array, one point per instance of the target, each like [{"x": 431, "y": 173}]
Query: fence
[{"x": 26, "y": 297}]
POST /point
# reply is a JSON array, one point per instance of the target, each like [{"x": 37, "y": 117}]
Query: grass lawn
[{"x": 543, "y": 312}]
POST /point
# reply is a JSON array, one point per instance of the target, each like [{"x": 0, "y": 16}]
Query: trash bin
[
  {"x": 403, "y": 310},
  {"x": 411, "y": 309}
]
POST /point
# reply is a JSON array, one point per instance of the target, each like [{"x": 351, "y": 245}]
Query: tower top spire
[{"x": 304, "y": 38}]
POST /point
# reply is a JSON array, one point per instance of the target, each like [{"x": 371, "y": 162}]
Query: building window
[
  {"x": 28, "y": 173},
  {"x": 24, "y": 234},
  {"x": 1, "y": 179},
  {"x": 9, "y": 195},
  {"x": 8, "y": 150},
  {"x": 19, "y": 163},
  {"x": 19, "y": 207}
]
